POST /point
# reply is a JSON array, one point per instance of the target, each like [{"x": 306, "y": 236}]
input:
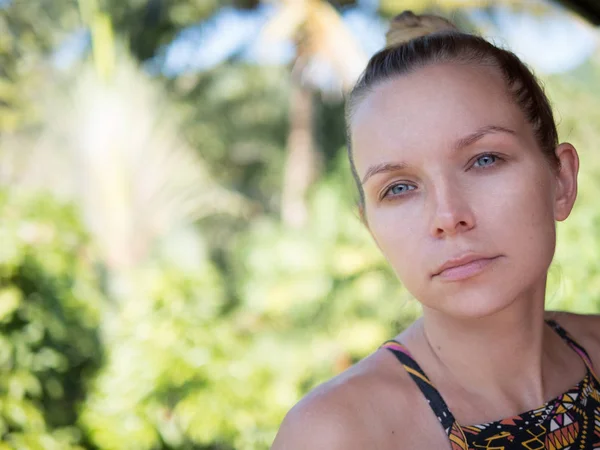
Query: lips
[{"x": 463, "y": 267}]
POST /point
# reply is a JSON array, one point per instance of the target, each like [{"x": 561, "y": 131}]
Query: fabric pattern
[{"x": 568, "y": 422}]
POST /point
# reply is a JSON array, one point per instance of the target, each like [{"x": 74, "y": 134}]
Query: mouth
[{"x": 464, "y": 267}]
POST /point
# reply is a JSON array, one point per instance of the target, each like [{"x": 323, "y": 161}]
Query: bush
[{"x": 49, "y": 300}]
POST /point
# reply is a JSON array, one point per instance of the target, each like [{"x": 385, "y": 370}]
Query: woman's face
[{"x": 458, "y": 195}]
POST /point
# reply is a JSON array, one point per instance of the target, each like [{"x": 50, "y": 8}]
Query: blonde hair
[{"x": 408, "y": 26}]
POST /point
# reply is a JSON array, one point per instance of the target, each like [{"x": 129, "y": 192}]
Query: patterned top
[{"x": 568, "y": 422}]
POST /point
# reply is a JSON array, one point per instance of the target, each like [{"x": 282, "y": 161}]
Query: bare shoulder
[
  {"x": 367, "y": 406},
  {"x": 584, "y": 328},
  {"x": 324, "y": 419},
  {"x": 583, "y": 325}
]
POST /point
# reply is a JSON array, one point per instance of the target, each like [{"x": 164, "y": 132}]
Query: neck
[{"x": 503, "y": 355}]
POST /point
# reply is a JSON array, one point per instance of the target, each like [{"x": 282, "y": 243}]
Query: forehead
[{"x": 429, "y": 109}]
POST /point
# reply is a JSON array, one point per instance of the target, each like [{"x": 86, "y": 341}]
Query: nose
[{"x": 452, "y": 212}]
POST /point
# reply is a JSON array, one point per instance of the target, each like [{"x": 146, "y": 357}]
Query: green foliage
[
  {"x": 49, "y": 305},
  {"x": 206, "y": 342},
  {"x": 576, "y": 263},
  {"x": 28, "y": 33},
  {"x": 165, "y": 345},
  {"x": 318, "y": 299},
  {"x": 184, "y": 369},
  {"x": 236, "y": 117}
]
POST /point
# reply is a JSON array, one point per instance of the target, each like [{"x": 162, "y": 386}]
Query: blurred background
[{"x": 180, "y": 254}]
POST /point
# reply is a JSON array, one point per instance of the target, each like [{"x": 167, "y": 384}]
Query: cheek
[
  {"x": 513, "y": 214},
  {"x": 400, "y": 233},
  {"x": 524, "y": 219}
]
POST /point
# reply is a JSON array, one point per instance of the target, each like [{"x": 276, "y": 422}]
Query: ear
[{"x": 566, "y": 186}]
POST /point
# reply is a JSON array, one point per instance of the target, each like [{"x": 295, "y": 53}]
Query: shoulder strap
[
  {"x": 571, "y": 342},
  {"x": 436, "y": 402}
]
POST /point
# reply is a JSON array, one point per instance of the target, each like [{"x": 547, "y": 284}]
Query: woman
[{"x": 461, "y": 178}]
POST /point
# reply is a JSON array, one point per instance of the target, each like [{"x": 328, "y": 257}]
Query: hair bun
[{"x": 407, "y": 26}]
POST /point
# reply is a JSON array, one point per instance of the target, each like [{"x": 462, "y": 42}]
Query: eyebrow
[
  {"x": 463, "y": 142},
  {"x": 382, "y": 168},
  {"x": 480, "y": 133}
]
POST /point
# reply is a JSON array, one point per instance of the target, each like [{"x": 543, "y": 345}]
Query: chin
[
  {"x": 475, "y": 304},
  {"x": 488, "y": 292},
  {"x": 477, "y": 298}
]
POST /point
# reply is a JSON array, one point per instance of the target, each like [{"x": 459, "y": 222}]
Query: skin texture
[
  {"x": 455, "y": 208},
  {"x": 451, "y": 170}
]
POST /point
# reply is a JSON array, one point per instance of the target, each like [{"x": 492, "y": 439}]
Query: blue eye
[
  {"x": 399, "y": 189},
  {"x": 485, "y": 160}
]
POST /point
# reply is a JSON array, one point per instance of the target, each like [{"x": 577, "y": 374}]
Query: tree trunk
[{"x": 301, "y": 161}]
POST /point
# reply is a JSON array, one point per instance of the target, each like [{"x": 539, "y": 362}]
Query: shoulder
[
  {"x": 351, "y": 410},
  {"x": 584, "y": 328},
  {"x": 322, "y": 420}
]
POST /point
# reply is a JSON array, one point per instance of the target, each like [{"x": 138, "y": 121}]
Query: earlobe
[{"x": 566, "y": 187}]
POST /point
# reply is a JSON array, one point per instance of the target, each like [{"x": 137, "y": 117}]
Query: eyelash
[
  {"x": 386, "y": 192},
  {"x": 496, "y": 157},
  {"x": 385, "y": 195}
]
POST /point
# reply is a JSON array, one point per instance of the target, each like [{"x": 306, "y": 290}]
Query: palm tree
[
  {"x": 320, "y": 36},
  {"x": 111, "y": 142}
]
